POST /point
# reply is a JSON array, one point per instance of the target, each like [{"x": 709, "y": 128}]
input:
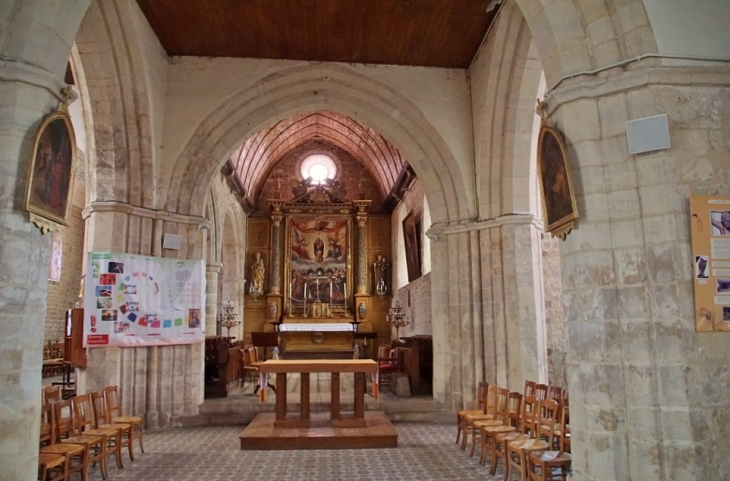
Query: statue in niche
[
  {"x": 258, "y": 272},
  {"x": 380, "y": 274}
]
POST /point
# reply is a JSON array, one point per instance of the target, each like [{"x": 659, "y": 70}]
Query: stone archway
[{"x": 447, "y": 180}]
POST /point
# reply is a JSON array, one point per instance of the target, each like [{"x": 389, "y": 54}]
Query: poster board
[
  {"x": 133, "y": 300},
  {"x": 711, "y": 261}
]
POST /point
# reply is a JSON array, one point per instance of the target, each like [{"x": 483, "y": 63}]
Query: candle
[
  {"x": 305, "y": 291},
  {"x": 345, "y": 289},
  {"x": 330, "y": 291}
]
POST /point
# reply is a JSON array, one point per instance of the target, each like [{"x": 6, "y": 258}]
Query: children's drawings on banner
[{"x": 143, "y": 301}]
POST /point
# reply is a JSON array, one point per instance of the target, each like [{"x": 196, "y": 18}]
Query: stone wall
[
  {"x": 554, "y": 313},
  {"x": 62, "y": 295}
]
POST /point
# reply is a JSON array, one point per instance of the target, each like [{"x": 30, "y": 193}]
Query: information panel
[
  {"x": 132, "y": 300},
  {"x": 711, "y": 259}
]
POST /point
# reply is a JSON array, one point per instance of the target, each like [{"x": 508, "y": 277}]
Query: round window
[{"x": 318, "y": 167}]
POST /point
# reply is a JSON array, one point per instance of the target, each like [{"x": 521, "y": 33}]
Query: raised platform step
[{"x": 261, "y": 434}]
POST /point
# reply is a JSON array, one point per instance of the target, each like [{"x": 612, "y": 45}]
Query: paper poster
[
  {"x": 711, "y": 261},
  {"x": 133, "y": 300}
]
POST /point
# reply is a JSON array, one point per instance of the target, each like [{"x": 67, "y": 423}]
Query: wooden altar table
[{"x": 360, "y": 367}]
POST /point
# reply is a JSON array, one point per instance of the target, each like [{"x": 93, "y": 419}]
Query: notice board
[
  {"x": 711, "y": 261},
  {"x": 133, "y": 300}
]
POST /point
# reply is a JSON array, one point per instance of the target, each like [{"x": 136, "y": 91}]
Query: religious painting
[
  {"x": 318, "y": 249},
  {"x": 559, "y": 210},
  {"x": 50, "y": 174},
  {"x": 413, "y": 247}
]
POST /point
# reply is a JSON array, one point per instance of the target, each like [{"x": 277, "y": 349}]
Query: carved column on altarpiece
[
  {"x": 274, "y": 295},
  {"x": 362, "y": 271}
]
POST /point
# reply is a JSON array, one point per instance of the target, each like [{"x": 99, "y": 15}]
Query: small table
[{"x": 305, "y": 367}]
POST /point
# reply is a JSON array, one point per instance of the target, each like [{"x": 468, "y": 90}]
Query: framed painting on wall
[
  {"x": 412, "y": 246},
  {"x": 51, "y": 169},
  {"x": 317, "y": 261},
  {"x": 559, "y": 209}
]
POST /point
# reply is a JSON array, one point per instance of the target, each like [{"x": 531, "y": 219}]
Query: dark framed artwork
[
  {"x": 51, "y": 169},
  {"x": 412, "y": 245},
  {"x": 559, "y": 209}
]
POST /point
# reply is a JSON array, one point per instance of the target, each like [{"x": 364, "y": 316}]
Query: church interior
[{"x": 445, "y": 203}]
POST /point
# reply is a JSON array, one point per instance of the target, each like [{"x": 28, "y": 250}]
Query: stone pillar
[
  {"x": 212, "y": 275},
  {"x": 487, "y": 318},
  {"x": 648, "y": 393},
  {"x": 35, "y": 45}
]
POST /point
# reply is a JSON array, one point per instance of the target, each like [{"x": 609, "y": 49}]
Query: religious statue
[
  {"x": 257, "y": 275},
  {"x": 380, "y": 274}
]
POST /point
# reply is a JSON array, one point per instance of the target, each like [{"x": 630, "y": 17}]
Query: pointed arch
[{"x": 336, "y": 88}]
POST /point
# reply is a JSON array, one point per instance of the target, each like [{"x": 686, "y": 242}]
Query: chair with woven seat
[
  {"x": 75, "y": 455},
  {"x": 102, "y": 420},
  {"x": 85, "y": 424},
  {"x": 541, "y": 391},
  {"x": 387, "y": 365},
  {"x": 493, "y": 414},
  {"x": 490, "y": 429},
  {"x": 548, "y": 465},
  {"x": 529, "y": 388},
  {"x": 490, "y": 406},
  {"x": 50, "y": 394},
  {"x": 527, "y": 415},
  {"x": 518, "y": 449},
  {"x": 66, "y": 432},
  {"x": 52, "y": 467},
  {"x": 114, "y": 408},
  {"x": 481, "y": 408}
]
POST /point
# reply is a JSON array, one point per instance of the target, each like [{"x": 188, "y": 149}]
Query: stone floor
[{"x": 424, "y": 452}]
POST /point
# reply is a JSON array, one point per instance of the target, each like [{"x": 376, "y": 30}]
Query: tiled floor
[{"x": 424, "y": 452}]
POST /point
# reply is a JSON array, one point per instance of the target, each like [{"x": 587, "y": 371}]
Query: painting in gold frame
[
  {"x": 559, "y": 209},
  {"x": 317, "y": 261},
  {"x": 50, "y": 177}
]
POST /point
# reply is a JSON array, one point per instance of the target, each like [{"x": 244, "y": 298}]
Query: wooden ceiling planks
[{"x": 434, "y": 33}]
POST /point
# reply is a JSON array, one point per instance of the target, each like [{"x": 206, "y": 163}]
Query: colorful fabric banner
[{"x": 132, "y": 300}]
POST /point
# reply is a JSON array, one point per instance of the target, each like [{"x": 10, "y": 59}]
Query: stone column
[
  {"x": 212, "y": 275},
  {"x": 35, "y": 45},
  {"x": 648, "y": 393}
]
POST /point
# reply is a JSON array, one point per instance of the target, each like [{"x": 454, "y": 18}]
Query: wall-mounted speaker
[
  {"x": 648, "y": 135},
  {"x": 171, "y": 241}
]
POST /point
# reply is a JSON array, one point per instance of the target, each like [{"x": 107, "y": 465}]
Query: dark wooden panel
[{"x": 440, "y": 33}]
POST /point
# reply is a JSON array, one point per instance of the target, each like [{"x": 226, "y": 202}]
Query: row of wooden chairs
[
  {"x": 79, "y": 432},
  {"x": 529, "y": 430}
]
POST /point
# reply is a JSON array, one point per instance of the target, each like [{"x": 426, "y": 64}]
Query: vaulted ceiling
[{"x": 431, "y": 33}]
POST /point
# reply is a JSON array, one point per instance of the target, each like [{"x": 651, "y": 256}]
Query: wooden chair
[
  {"x": 114, "y": 408},
  {"x": 528, "y": 411},
  {"x": 75, "y": 455},
  {"x": 481, "y": 408},
  {"x": 251, "y": 367},
  {"x": 85, "y": 424},
  {"x": 541, "y": 391},
  {"x": 490, "y": 429},
  {"x": 51, "y": 394},
  {"x": 548, "y": 465},
  {"x": 529, "y": 388},
  {"x": 66, "y": 433},
  {"x": 518, "y": 449},
  {"x": 562, "y": 431},
  {"x": 494, "y": 414},
  {"x": 52, "y": 467},
  {"x": 387, "y": 364},
  {"x": 102, "y": 420},
  {"x": 490, "y": 406},
  {"x": 555, "y": 393}
]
